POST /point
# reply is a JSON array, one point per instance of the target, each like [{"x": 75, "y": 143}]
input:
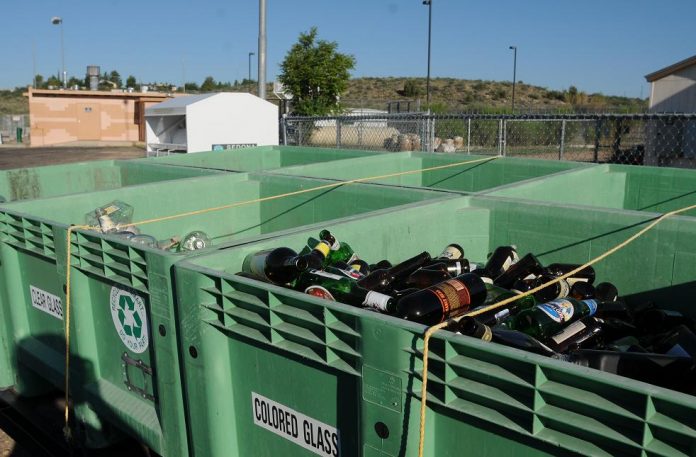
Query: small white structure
[{"x": 209, "y": 122}]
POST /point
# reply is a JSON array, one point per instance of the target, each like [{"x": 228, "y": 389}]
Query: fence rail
[{"x": 651, "y": 139}]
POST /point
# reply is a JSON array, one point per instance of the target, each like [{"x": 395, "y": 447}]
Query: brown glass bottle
[
  {"x": 443, "y": 300},
  {"x": 383, "y": 279}
]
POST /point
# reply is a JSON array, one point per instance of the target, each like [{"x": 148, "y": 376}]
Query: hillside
[
  {"x": 447, "y": 94},
  {"x": 460, "y": 95}
]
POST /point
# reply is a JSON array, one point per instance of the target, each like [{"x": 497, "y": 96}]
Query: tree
[
  {"x": 316, "y": 74},
  {"x": 39, "y": 81},
  {"x": 208, "y": 85},
  {"x": 54, "y": 81},
  {"x": 73, "y": 81},
  {"x": 131, "y": 81},
  {"x": 191, "y": 87},
  {"x": 411, "y": 89},
  {"x": 115, "y": 78}
]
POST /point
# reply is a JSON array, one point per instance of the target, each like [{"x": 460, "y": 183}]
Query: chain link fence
[
  {"x": 650, "y": 139},
  {"x": 9, "y": 123}
]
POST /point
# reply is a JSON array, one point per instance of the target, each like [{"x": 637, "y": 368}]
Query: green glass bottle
[
  {"x": 337, "y": 287},
  {"x": 547, "y": 319},
  {"x": 340, "y": 250}
]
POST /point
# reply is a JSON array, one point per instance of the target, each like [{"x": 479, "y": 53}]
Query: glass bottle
[{"x": 278, "y": 266}]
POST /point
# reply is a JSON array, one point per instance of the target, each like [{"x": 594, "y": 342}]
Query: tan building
[
  {"x": 63, "y": 116},
  {"x": 673, "y": 88}
]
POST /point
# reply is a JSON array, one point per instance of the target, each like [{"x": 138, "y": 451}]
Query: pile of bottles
[
  {"x": 574, "y": 319},
  {"x": 116, "y": 218}
]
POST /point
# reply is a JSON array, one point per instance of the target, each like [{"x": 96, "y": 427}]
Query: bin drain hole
[
  {"x": 193, "y": 351},
  {"x": 382, "y": 430},
  {"x": 162, "y": 330}
]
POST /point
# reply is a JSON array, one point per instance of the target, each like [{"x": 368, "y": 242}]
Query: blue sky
[{"x": 599, "y": 46}]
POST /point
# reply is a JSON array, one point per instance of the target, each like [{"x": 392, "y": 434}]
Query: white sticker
[
  {"x": 130, "y": 319},
  {"x": 311, "y": 434},
  {"x": 325, "y": 274},
  {"x": 375, "y": 300},
  {"x": 48, "y": 303}
]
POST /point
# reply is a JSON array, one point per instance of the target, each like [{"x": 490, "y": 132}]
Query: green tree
[
  {"x": 131, "y": 81},
  {"x": 39, "y": 81},
  {"x": 54, "y": 81},
  {"x": 412, "y": 89},
  {"x": 208, "y": 85},
  {"x": 115, "y": 78},
  {"x": 73, "y": 81},
  {"x": 191, "y": 87},
  {"x": 316, "y": 74}
]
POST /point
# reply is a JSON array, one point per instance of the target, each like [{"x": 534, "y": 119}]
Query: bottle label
[
  {"x": 323, "y": 247},
  {"x": 558, "y": 310},
  {"x": 487, "y": 334},
  {"x": 568, "y": 332},
  {"x": 325, "y": 274},
  {"x": 351, "y": 272},
  {"x": 336, "y": 245},
  {"x": 451, "y": 252},
  {"x": 592, "y": 304},
  {"x": 376, "y": 301},
  {"x": 257, "y": 265},
  {"x": 353, "y": 258},
  {"x": 453, "y": 295},
  {"x": 564, "y": 287},
  {"x": 318, "y": 291},
  {"x": 502, "y": 315}
]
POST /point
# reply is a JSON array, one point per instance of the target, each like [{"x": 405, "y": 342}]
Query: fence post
[
  {"x": 500, "y": 137},
  {"x": 561, "y": 150},
  {"x": 284, "y": 125},
  {"x": 468, "y": 136},
  {"x": 300, "y": 138},
  {"x": 338, "y": 133},
  {"x": 598, "y": 133}
]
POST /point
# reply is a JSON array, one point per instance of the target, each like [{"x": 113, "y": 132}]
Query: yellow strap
[
  {"x": 431, "y": 330},
  {"x": 71, "y": 229}
]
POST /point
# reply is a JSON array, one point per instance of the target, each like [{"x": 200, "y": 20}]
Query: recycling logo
[{"x": 130, "y": 319}]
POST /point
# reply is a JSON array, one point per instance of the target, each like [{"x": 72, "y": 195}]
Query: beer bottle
[
  {"x": 582, "y": 291},
  {"x": 499, "y": 261},
  {"x": 559, "y": 289},
  {"x": 528, "y": 267},
  {"x": 576, "y": 335},
  {"x": 426, "y": 277},
  {"x": 547, "y": 319},
  {"x": 332, "y": 286},
  {"x": 470, "y": 326},
  {"x": 443, "y": 300},
  {"x": 383, "y": 279},
  {"x": 340, "y": 251},
  {"x": 519, "y": 340},
  {"x": 606, "y": 292},
  {"x": 381, "y": 265},
  {"x": 587, "y": 274},
  {"x": 451, "y": 252},
  {"x": 454, "y": 267},
  {"x": 495, "y": 294},
  {"x": 278, "y": 266},
  {"x": 361, "y": 266}
]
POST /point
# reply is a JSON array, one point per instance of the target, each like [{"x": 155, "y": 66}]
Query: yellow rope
[
  {"x": 431, "y": 330},
  {"x": 71, "y": 229}
]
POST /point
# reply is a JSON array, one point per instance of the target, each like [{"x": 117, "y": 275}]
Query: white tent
[{"x": 206, "y": 122}]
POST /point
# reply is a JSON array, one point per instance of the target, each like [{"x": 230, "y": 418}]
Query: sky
[{"x": 605, "y": 46}]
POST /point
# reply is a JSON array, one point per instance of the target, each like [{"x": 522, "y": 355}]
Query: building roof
[
  {"x": 94, "y": 93},
  {"x": 177, "y": 106},
  {"x": 659, "y": 74}
]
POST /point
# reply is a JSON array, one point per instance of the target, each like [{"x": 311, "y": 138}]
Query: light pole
[
  {"x": 430, "y": 23},
  {"x": 514, "y": 76},
  {"x": 249, "y": 78},
  {"x": 57, "y": 20}
]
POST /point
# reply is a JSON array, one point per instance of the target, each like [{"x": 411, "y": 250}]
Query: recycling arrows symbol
[{"x": 129, "y": 317}]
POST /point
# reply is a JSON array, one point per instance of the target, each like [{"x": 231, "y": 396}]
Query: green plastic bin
[
  {"x": 124, "y": 335},
  {"x": 476, "y": 177},
  {"x": 268, "y": 369},
  {"x": 650, "y": 189},
  {"x": 261, "y": 157},
  {"x": 75, "y": 178}
]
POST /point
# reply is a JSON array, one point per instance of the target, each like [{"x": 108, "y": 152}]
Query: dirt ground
[{"x": 12, "y": 157}]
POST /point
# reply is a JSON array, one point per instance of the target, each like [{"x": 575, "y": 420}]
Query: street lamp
[
  {"x": 514, "y": 77},
  {"x": 57, "y": 20},
  {"x": 430, "y": 23},
  {"x": 250, "y": 54}
]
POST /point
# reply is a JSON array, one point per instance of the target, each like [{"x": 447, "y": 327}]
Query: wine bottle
[
  {"x": 444, "y": 300},
  {"x": 381, "y": 265},
  {"x": 278, "y": 266},
  {"x": 454, "y": 267},
  {"x": 335, "y": 287},
  {"x": 361, "y": 266},
  {"x": 587, "y": 274},
  {"x": 339, "y": 251},
  {"x": 549, "y": 318},
  {"x": 528, "y": 267},
  {"x": 382, "y": 280},
  {"x": 519, "y": 340}
]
